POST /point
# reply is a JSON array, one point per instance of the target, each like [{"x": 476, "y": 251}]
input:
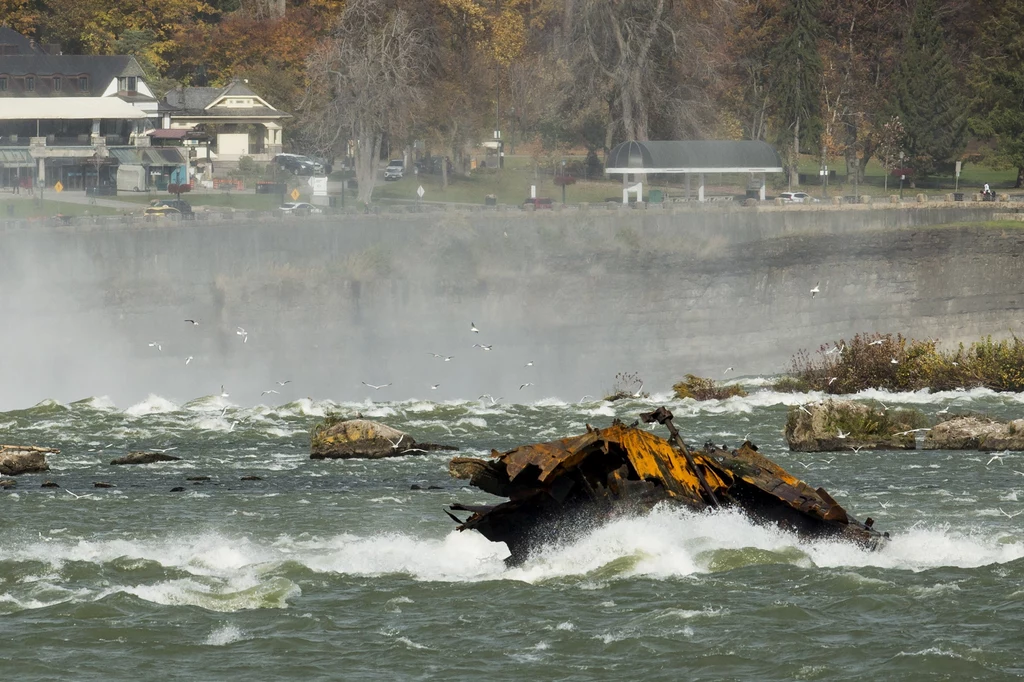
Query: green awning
[
  {"x": 127, "y": 156},
  {"x": 16, "y": 158}
]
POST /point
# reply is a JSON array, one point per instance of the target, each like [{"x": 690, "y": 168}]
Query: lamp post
[
  {"x": 512, "y": 133},
  {"x": 902, "y": 175},
  {"x": 563, "y": 182}
]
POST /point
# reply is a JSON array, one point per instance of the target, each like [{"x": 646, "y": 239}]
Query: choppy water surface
[{"x": 340, "y": 570}]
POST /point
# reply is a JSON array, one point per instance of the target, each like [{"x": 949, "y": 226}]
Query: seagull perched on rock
[
  {"x": 894, "y": 361},
  {"x": 472, "y": 328},
  {"x": 815, "y": 290},
  {"x": 375, "y": 387},
  {"x": 877, "y": 342}
]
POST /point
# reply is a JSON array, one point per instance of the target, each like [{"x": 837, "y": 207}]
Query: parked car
[
  {"x": 160, "y": 212},
  {"x": 797, "y": 198},
  {"x": 395, "y": 170},
  {"x": 298, "y": 164},
  {"x": 299, "y": 208},
  {"x": 163, "y": 207}
]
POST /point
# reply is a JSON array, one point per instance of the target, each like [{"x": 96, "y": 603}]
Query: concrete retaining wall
[{"x": 584, "y": 294}]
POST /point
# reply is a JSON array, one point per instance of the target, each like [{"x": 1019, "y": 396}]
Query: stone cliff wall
[{"x": 584, "y": 294}]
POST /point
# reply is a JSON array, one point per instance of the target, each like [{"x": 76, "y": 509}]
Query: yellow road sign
[
  {"x": 59, "y": 187},
  {"x": 295, "y": 194}
]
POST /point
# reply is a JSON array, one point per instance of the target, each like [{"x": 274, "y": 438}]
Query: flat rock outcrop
[
  {"x": 24, "y": 459},
  {"x": 976, "y": 433},
  {"x": 365, "y": 439},
  {"x": 145, "y": 458},
  {"x": 836, "y": 425}
]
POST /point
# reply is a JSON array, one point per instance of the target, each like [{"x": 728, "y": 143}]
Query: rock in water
[
  {"x": 976, "y": 433},
  {"x": 24, "y": 459},
  {"x": 364, "y": 439},
  {"x": 835, "y": 425},
  {"x": 144, "y": 458}
]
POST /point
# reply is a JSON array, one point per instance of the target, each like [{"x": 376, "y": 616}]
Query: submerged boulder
[
  {"x": 145, "y": 458},
  {"x": 833, "y": 425},
  {"x": 364, "y": 439},
  {"x": 976, "y": 433},
  {"x": 24, "y": 459}
]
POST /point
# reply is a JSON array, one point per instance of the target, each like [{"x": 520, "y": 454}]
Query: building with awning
[{"x": 694, "y": 158}]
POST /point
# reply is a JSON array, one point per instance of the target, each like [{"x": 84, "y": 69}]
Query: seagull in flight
[
  {"x": 446, "y": 358},
  {"x": 375, "y": 387},
  {"x": 194, "y": 323},
  {"x": 244, "y": 334},
  {"x": 489, "y": 397},
  {"x": 433, "y": 387},
  {"x": 188, "y": 359},
  {"x": 529, "y": 364},
  {"x": 282, "y": 383},
  {"x": 155, "y": 344},
  {"x": 269, "y": 391},
  {"x": 815, "y": 290},
  {"x": 522, "y": 386},
  {"x": 472, "y": 328},
  {"x": 832, "y": 380},
  {"x": 903, "y": 433},
  {"x": 877, "y": 342},
  {"x": 485, "y": 347},
  {"x": 857, "y": 448},
  {"x": 394, "y": 443},
  {"x": 994, "y": 458},
  {"x": 580, "y": 402},
  {"x": 1009, "y": 515},
  {"x": 639, "y": 390},
  {"x": 727, "y": 370},
  {"x": 840, "y": 434},
  {"x": 806, "y": 410}
]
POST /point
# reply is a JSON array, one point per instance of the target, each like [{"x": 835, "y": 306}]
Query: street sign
[
  {"x": 319, "y": 185},
  {"x": 420, "y": 192},
  {"x": 58, "y": 187},
  {"x": 958, "y": 168},
  {"x": 295, "y": 194}
]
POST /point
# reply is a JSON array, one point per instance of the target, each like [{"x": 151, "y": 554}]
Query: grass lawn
[
  {"x": 20, "y": 208},
  {"x": 972, "y": 178}
]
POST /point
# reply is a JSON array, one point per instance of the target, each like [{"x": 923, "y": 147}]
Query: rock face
[
  {"x": 365, "y": 439},
  {"x": 144, "y": 458},
  {"x": 976, "y": 433},
  {"x": 24, "y": 459},
  {"x": 835, "y": 425}
]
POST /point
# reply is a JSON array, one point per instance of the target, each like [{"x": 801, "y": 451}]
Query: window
[
  {"x": 127, "y": 83},
  {"x": 3, "y": 83},
  {"x": 30, "y": 83},
  {"x": 56, "y": 83},
  {"x": 83, "y": 83}
]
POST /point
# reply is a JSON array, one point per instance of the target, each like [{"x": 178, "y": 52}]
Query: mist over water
[{"x": 340, "y": 569}]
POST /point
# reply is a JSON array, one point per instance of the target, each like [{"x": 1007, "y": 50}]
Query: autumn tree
[
  {"x": 797, "y": 70},
  {"x": 366, "y": 80},
  {"x": 927, "y": 95},
  {"x": 997, "y": 79}
]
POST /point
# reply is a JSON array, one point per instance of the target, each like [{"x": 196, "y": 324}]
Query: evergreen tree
[
  {"x": 997, "y": 81},
  {"x": 927, "y": 96},
  {"x": 796, "y": 68}
]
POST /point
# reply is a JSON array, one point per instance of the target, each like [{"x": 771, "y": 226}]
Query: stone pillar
[{"x": 41, "y": 173}]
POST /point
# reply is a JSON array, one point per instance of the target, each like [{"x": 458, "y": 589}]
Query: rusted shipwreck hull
[{"x": 562, "y": 489}]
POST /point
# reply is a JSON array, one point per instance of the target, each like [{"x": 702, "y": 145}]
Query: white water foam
[
  {"x": 153, "y": 404},
  {"x": 226, "y": 634}
]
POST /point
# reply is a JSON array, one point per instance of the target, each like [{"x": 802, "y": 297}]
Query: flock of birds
[{"x": 241, "y": 332}]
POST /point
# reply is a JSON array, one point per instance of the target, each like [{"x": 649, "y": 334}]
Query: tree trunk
[
  {"x": 367, "y": 154},
  {"x": 794, "y": 173},
  {"x": 1020, "y": 177}
]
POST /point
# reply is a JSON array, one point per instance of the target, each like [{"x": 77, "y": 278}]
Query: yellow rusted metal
[{"x": 655, "y": 458}]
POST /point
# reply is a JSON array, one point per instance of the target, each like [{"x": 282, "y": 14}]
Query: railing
[{"x": 77, "y": 141}]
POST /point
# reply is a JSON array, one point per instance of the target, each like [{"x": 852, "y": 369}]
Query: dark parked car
[
  {"x": 182, "y": 207},
  {"x": 297, "y": 164}
]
